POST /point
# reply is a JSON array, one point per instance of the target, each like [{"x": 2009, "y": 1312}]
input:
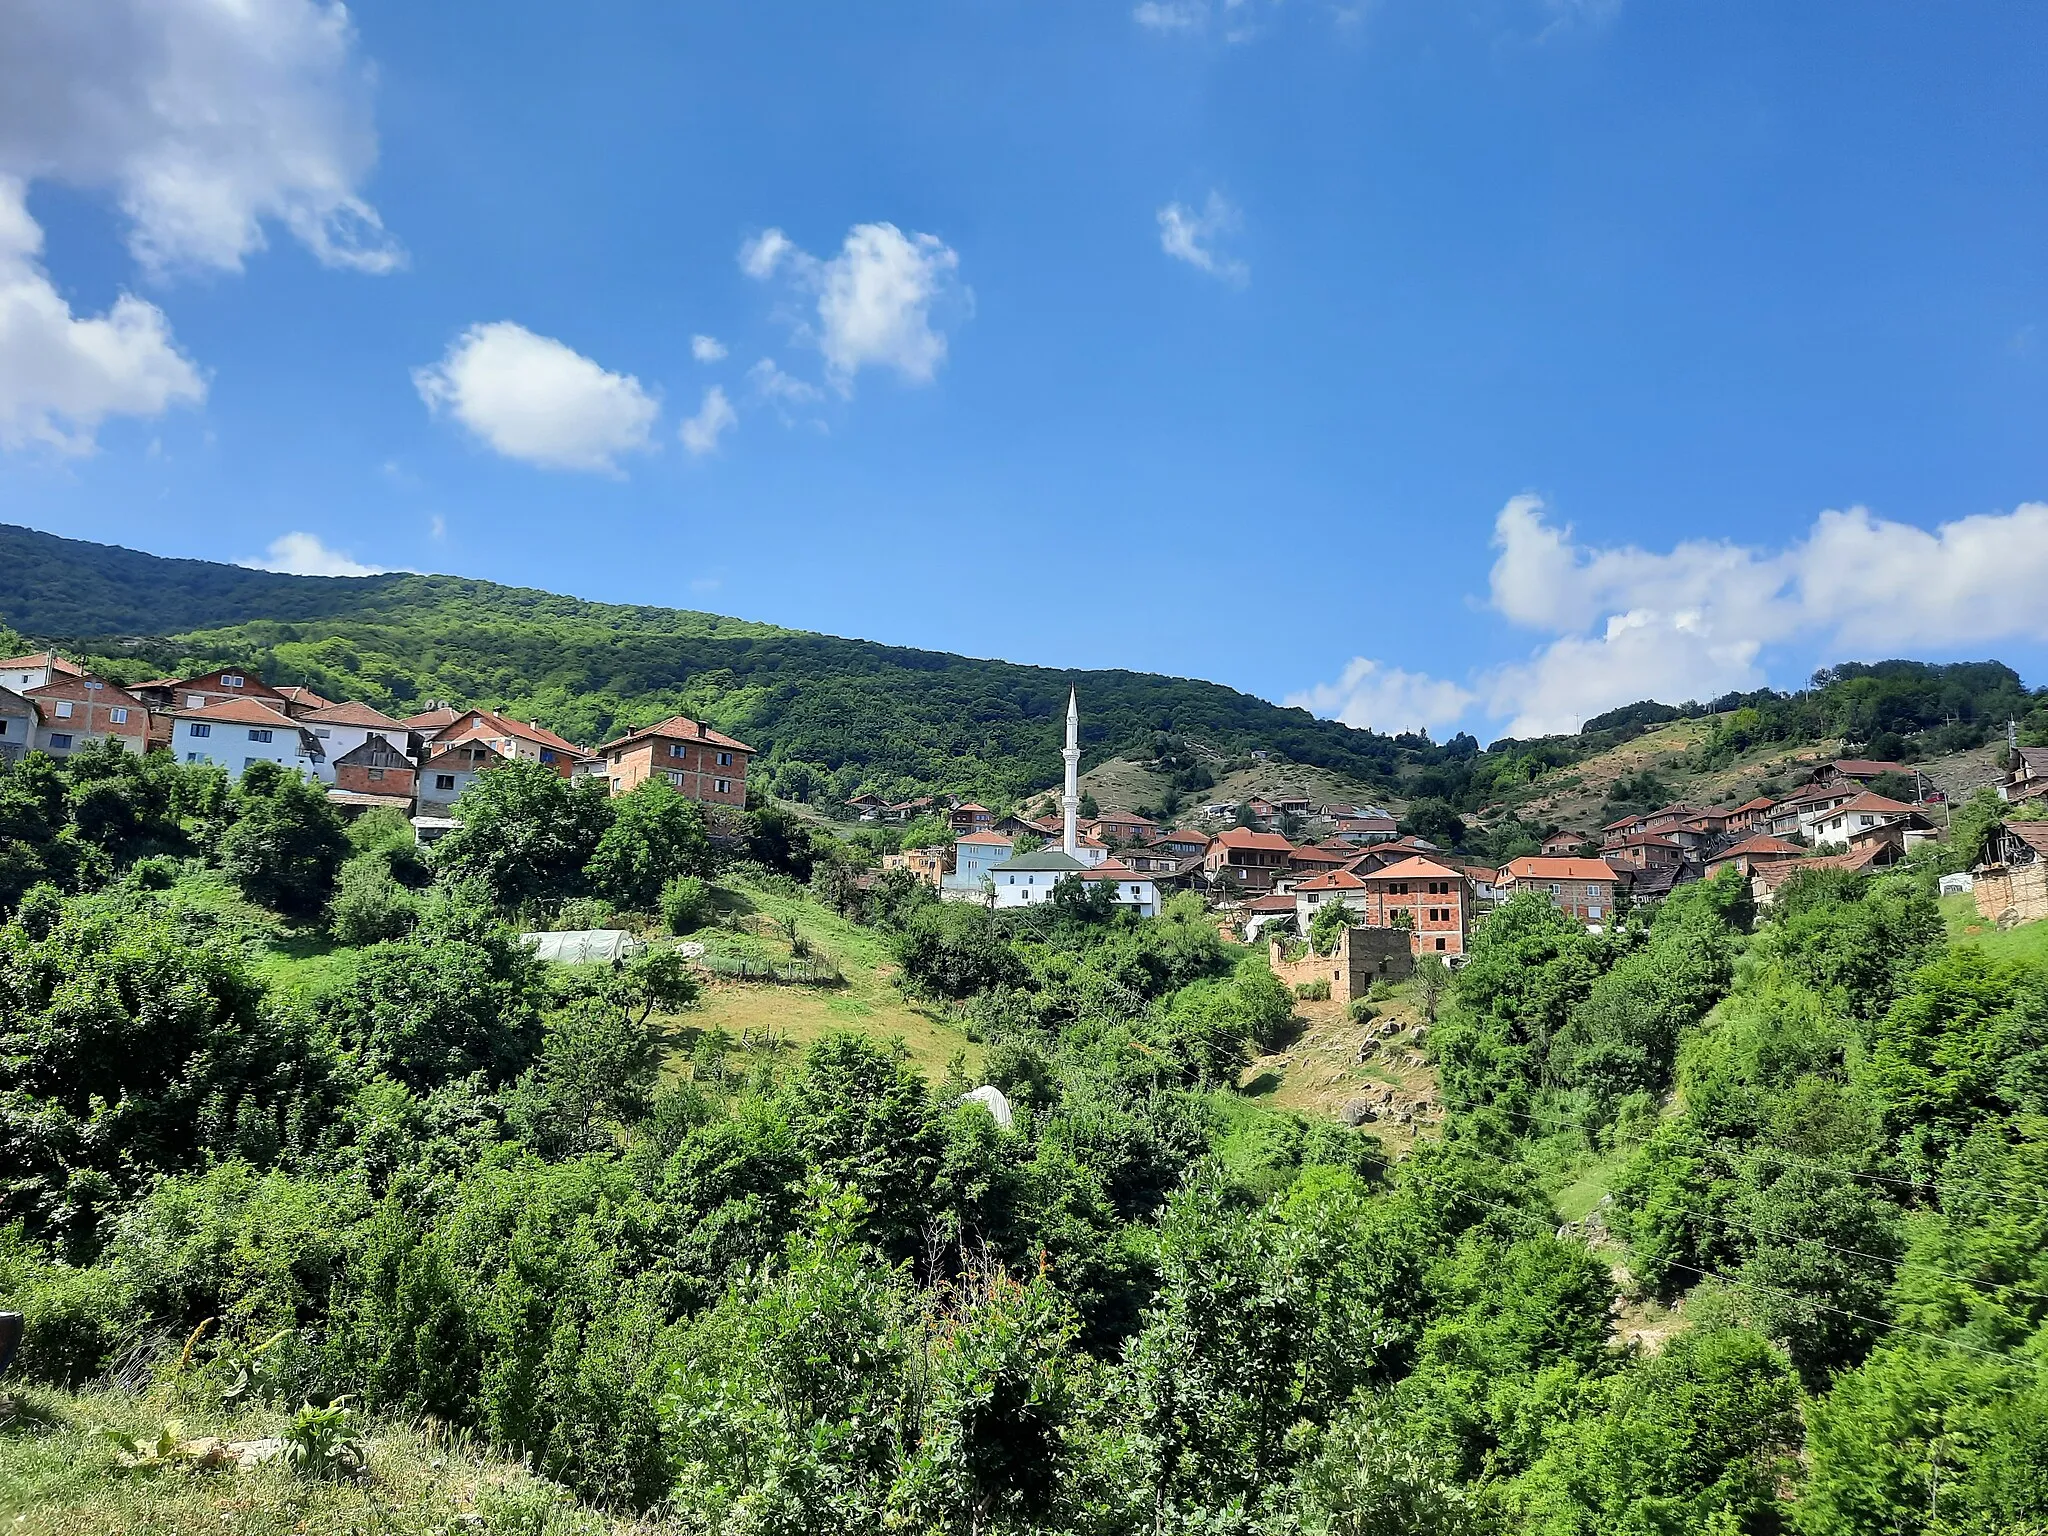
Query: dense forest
[
  {"x": 291, "y": 1122},
  {"x": 834, "y": 716}
]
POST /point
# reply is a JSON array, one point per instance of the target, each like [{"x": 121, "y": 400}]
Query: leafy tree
[
  {"x": 863, "y": 1117},
  {"x": 526, "y": 832},
  {"x": 286, "y": 846},
  {"x": 1435, "y": 821},
  {"x": 369, "y": 906},
  {"x": 685, "y": 904},
  {"x": 1331, "y": 919},
  {"x": 656, "y": 835}
]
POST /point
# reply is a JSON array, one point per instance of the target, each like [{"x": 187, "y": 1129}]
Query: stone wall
[
  {"x": 2021, "y": 891},
  {"x": 1364, "y": 956}
]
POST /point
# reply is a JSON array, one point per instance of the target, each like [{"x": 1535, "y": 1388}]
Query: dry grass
[
  {"x": 58, "y": 1477},
  {"x": 1327, "y": 1066}
]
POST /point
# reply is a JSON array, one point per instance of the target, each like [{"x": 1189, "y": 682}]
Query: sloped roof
[
  {"x": 1320, "y": 855},
  {"x": 1273, "y": 902},
  {"x": 1244, "y": 837},
  {"x": 299, "y": 694},
  {"x": 1760, "y": 803},
  {"x": 349, "y": 712},
  {"x": 1557, "y": 869},
  {"x": 238, "y": 712},
  {"x": 374, "y": 742},
  {"x": 1762, "y": 846},
  {"x": 1332, "y": 880},
  {"x": 1876, "y": 804},
  {"x": 1115, "y": 869},
  {"x": 49, "y": 659},
  {"x": 677, "y": 728},
  {"x": 986, "y": 839},
  {"x": 434, "y": 719},
  {"x": 2033, "y": 833},
  {"x": 1865, "y": 766},
  {"x": 1045, "y": 860},
  {"x": 1419, "y": 868},
  {"x": 969, "y": 805},
  {"x": 1646, "y": 840}
]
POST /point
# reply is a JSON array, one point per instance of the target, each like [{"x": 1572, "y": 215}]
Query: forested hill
[{"x": 831, "y": 714}]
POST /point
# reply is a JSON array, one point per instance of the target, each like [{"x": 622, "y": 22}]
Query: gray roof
[{"x": 1044, "y": 860}]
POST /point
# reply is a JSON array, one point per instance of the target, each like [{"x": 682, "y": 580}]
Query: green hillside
[{"x": 830, "y": 714}]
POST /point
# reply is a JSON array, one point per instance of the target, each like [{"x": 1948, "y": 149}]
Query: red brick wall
[
  {"x": 698, "y": 766},
  {"x": 356, "y": 776}
]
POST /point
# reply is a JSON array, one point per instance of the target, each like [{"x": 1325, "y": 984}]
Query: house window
[
  {"x": 60, "y": 743},
  {"x": 725, "y": 759},
  {"x": 3, "y": 727},
  {"x": 64, "y": 709},
  {"x": 376, "y": 774},
  {"x": 1439, "y": 943},
  {"x": 251, "y": 762},
  {"x": 195, "y": 757},
  {"x": 721, "y": 786},
  {"x": 259, "y": 734},
  {"x": 199, "y": 730},
  {"x": 444, "y": 781},
  {"x": 677, "y": 749},
  {"x": 118, "y": 716},
  {"x": 231, "y": 679},
  {"x": 547, "y": 754},
  {"x": 675, "y": 778}
]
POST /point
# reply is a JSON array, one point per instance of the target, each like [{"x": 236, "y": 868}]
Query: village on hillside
[{"x": 1266, "y": 865}]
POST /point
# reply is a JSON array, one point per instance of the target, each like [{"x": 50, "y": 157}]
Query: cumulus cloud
[
  {"x": 1698, "y": 620},
  {"x": 61, "y": 374},
  {"x": 303, "y": 554},
  {"x": 532, "y": 398},
  {"x": 1371, "y": 694},
  {"x": 772, "y": 384},
  {"x": 874, "y": 301},
  {"x": 1703, "y": 618},
  {"x": 207, "y": 119},
  {"x": 1234, "y": 21},
  {"x": 1189, "y": 236},
  {"x": 714, "y": 418},
  {"x": 706, "y": 349}
]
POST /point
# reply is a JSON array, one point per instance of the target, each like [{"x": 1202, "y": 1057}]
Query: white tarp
[{"x": 582, "y": 944}]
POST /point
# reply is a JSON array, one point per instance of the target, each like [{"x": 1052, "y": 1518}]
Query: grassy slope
[
  {"x": 2028, "y": 942},
  {"x": 58, "y": 1478},
  {"x": 869, "y": 1002}
]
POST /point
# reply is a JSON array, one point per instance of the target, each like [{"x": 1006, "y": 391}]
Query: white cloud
[
  {"x": 706, "y": 349},
  {"x": 714, "y": 418},
  {"x": 760, "y": 256},
  {"x": 302, "y": 554},
  {"x": 772, "y": 384},
  {"x": 1696, "y": 622},
  {"x": 875, "y": 299},
  {"x": 437, "y": 527},
  {"x": 532, "y": 398},
  {"x": 207, "y": 118},
  {"x": 1234, "y": 21},
  {"x": 1189, "y": 236},
  {"x": 1387, "y": 698},
  {"x": 61, "y": 375},
  {"x": 1172, "y": 15}
]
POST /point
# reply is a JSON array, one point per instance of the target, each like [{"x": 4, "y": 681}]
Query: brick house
[
  {"x": 1119, "y": 827},
  {"x": 1433, "y": 900},
  {"x": 1644, "y": 850},
  {"x": 1316, "y": 859},
  {"x": 1363, "y": 956},
  {"x": 1189, "y": 845},
  {"x": 342, "y": 728},
  {"x": 375, "y": 767},
  {"x": 704, "y": 764},
  {"x": 18, "y": 721},
  {"x": 81, "y": 711},
  {"x": 1582, "y": 889},
  {"x": 1750, "y": 816},
  {"x": 1753, "y": 854},
  {"x": 1561, "y": 845},
  {"x": 1243, "y": 860},
  {"x": 968, "y": 818},
  {"x": 1856, "y": 772},
  {"x": 509, "y": 738}
]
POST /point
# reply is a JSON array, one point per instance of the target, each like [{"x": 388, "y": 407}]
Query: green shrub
[
  {"x": 1317, "y": 991},
  {"x": 75, "y": 1318},
  {"x": 685, "y": 904},
  {"x": 581, "y": 912},
  {"x": 1360, "y": 1009},
  {"x": 369, "y": 906}
]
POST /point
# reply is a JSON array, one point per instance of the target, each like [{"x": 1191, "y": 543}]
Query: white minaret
[{"x": 1071, "y": 801}]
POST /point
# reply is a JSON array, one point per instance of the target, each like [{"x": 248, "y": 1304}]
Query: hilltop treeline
[{"x": 835, "y": 716}]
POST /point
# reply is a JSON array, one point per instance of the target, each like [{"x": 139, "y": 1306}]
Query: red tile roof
[
  {"x": 1333, "y": 880},
  {"x": 1876, "y": 804},
  {"x": 1762, "y": 846},
  {"x": 1244, "y": 837},
  {"x": 48, "y": 659},
  {"x": 349, "y": 712},
  {"x": 995, "y": 839},
  {"x": 1419, "y": 868},
  {"x": 1558, "y": 869},
  {"x": 238, "y": 712},
  {"x": 434, "y": 719},
  {"x": 683, "y": 728}
]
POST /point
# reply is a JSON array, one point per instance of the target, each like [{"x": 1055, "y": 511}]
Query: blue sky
[{"x": 1484, "y": 364}]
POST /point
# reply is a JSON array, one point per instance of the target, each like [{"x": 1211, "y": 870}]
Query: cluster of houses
[{"x": 232, "y": 718}]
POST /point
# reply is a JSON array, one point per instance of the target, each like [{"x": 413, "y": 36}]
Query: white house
[
  {"x": 22, "y": 673},
  {"x": 1028, "y": 879},
  {"x": 444, "y": 776},
  {"x": 1132, "y": 888},
  {"x": 1834, "y": 825},
  {"x": 341, "y": 728},
  {"x": 237, "y": 732}
]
